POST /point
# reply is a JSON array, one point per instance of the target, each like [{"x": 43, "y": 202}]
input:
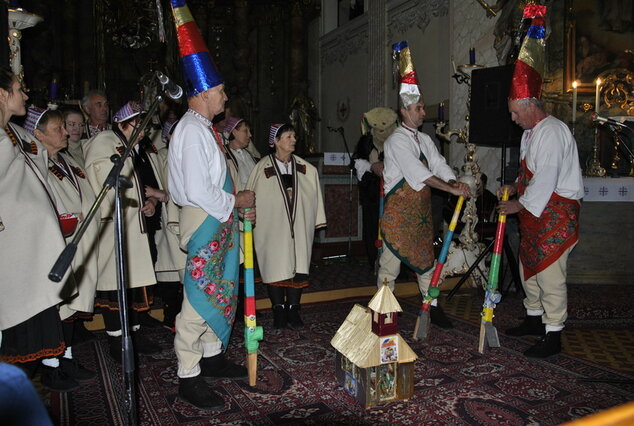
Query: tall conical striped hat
[
  {"x": 199, "y": 71},
  {"x": 409, "y": 91},
  {"x": 530, "y": 64}
]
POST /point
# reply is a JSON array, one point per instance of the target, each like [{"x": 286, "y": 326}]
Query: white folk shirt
[
  {"x": 402, "y": 152},
  {"x": 197, "y": 168},
  {"x": 551, "y": 155}
]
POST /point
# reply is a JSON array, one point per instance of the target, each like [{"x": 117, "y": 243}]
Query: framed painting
[{"x": 599, "y": 37}]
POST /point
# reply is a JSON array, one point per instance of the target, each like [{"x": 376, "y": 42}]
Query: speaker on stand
[{"x": 490, "y": 125}]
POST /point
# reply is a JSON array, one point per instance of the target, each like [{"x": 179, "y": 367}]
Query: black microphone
[
  {"x": 596, "y": 118},
  {"x": 171, "y": 89}
]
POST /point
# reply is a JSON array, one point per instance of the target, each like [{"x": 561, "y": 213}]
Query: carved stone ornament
[{"x": 404, "y": 15}]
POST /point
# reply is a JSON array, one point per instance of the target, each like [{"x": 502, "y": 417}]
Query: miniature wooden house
[{"x": 374, "y": 363}]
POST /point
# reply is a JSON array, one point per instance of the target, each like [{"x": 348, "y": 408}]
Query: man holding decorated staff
[
  {"x": 549, "y": 186},
  {"x": 413, "y": 166},
  {"x": 199, "y": 181}
]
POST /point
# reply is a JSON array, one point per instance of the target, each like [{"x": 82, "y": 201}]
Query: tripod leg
[
  {"x": 515, "y": 271},
  {"x": 470, "y": 270}
]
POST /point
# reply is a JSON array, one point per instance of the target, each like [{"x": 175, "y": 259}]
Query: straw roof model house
[{"x": 374, "y": 363}]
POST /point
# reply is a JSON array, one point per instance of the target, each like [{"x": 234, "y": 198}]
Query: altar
[{"x": 604, "y": 254}]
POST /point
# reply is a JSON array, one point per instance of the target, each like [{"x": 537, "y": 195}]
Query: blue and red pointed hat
[
  {"x": 199, "y": 70},
  {"x": 530, "y": 64}
]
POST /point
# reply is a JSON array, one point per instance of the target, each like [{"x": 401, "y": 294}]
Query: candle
[
  {"x": 441, "y": 111},
  {"x": 453, "y": 63},
  {"x": 52, "y": 91},
  {"x": 574, "y": 101},
  {"x": 597, "y": 99},
  {"x": 472, "y": 59}
]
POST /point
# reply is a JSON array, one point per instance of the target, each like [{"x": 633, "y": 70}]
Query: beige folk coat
[
  {"x": 31, "y": 239},
  {"x": 74, "y": 194},
  {"x": 97, "y": 153},
  {"x": 170, "y": 264},
  {"x": 284, "y": 241}
]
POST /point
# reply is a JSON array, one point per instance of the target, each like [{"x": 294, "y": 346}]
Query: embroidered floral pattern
[
  {"x": 407, "y": 226},
  {"x": 545, "y": 238},
  {"x": 206, "y": 269}
]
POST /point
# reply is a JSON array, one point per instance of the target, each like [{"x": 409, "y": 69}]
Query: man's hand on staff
[
  {"x": 245, "y": 199},
  {"x": 460, "y": 189},
  {"x": 510, "y": 206}
]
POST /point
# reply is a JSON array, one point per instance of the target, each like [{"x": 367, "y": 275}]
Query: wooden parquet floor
[{"x": 609, "y": 347}]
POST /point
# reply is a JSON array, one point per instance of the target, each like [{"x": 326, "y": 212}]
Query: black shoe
[
  {"x": 75, "y": 370},
  {"x": 548, "y": 345},
  {"x": 57, "y": 380},
  {"x": 294, "y": 319},
  {"x": 279, "y": 316},
  {"x": 195, "y": 391},
  {"x": 143, "y": 345},
  {"x": 438, "y": 317},
  {"x": 219, "y": 367},
  {"x": 531, "y": 326},
  {"x": 81, "y": 334},
  {"x": 148, "y": 320},
  {"x": 114, "y": 348}
]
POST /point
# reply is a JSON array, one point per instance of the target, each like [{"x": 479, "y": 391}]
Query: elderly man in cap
[{"x": 200, "y": 182}]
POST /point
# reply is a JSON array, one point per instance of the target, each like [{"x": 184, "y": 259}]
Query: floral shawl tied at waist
[
  {"x": 406, "y": 225},
  {"x": 545, "y": 238},
  {"x": 211, "y": 276}
]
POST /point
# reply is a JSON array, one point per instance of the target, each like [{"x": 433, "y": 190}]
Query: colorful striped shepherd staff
[
  {"x": 491, "y": 296},
  {"x": 252, "y": 332},
  {"x": 422, "y": 322}
]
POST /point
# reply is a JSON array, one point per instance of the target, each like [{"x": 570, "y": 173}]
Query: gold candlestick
[{"x": 594, "y": 164}]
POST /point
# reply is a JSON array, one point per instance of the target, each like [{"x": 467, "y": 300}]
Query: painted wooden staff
[
  {"x": 252, "y": 332},
  {"x": 491, "y": 296},
  {"x": 422, "y": 322},
  {"x": 379, "y": 240}
]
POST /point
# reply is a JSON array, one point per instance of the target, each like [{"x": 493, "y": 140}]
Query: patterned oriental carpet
[{"x": 454, "y": 384}]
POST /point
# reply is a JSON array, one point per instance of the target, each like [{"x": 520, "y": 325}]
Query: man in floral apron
[
  {"x": 549, "y": 187},
  {"x": 200, "y": 182}
]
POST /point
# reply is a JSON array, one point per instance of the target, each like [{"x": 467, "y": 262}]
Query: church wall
[{"x": 471, "y": 28}]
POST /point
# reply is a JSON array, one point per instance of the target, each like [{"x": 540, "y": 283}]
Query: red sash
[{"x": 547, "y": 237}]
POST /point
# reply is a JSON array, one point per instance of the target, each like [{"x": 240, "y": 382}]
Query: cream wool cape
[
  {"x": 284, "y": 242},
  {"x": 97, "y": 153},
  {"x": 74, "y": 194},
  {"x": 31, "y": 239}
]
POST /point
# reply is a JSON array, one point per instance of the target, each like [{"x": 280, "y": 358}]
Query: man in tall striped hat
[
  {"x": 199, "y": 181},
  {"x": 412, "y": 166},
  {"x": 549, "y": 186}
]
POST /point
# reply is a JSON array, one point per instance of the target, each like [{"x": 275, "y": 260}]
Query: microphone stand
[
  {"x": 348, "y": 254},
  {"x": 116, "y": 181}
]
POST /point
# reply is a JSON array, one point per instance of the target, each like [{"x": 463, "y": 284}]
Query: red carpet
[{"x": 454, "y": 384}]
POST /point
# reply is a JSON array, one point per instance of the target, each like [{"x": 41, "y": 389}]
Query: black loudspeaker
[{"x": 489, "y": 119}]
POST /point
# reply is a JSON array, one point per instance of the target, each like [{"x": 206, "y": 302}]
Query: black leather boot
[
  {"x": 195, "y": 391},
  {"x": 219, "y": 367},
  {"x": 437, "y": 316},
  {"x": 532, "y": 325},
  {"x": 294, "y": 320},
  {"x": 279, "y": 316},
  {"x": 548, "y": 345}
]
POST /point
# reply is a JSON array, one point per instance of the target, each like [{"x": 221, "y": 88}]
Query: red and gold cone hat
[
  {"x": 409, "y": 91},
  {"x": 529, "y": 67}
]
